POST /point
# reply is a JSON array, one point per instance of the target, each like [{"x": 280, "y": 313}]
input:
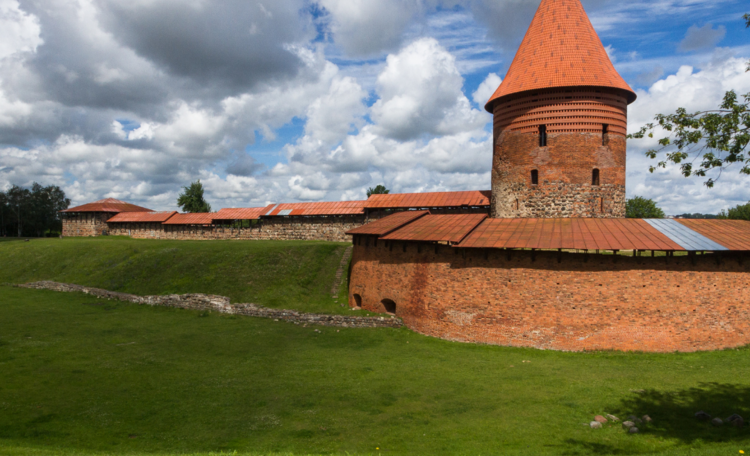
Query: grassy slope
[
  {"x": 281, "y": 274},
  {"x": 78, "y": 375}
]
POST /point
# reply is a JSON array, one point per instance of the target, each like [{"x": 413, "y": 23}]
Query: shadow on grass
[{"x": 673, "y": 414}]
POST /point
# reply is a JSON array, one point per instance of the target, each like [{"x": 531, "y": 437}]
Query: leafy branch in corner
[{"x": 702, "y": 141}]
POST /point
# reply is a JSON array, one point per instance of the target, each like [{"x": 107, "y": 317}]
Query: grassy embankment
[
  {"x": 81, "y": 376},
  {"x": 293, "y": 275}
]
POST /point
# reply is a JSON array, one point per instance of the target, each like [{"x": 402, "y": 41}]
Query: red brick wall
[
  {"x": 85, "y": 224},
  {"x": 575, "y": 147},
  {"x": 582, "y": 302}
]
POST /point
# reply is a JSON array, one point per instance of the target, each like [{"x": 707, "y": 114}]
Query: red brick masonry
[{"x": 559, "y": 301}]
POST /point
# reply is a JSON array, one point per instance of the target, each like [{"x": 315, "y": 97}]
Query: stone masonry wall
[
  {"x": 221, "y": 304},
  {"x": 281, "y": 228},
  {"x": 85, "y": 224},
  {"x": 560, "y": 301}
]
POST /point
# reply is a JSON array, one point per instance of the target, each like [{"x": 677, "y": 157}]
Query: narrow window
[
  {"x": 542, "y": 135},
  {"x": 601, "y": 209},
  {"x": 390, "y": 306},
  {"x": 534, "y": 177},
  {"x": 605, "y": 127},
  {"x": 357, "y": 301},
  {"x": 595, "y": 177}
]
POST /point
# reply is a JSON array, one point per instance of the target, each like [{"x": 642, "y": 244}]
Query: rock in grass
[
  {"x": 600, "y": 419},
  {"x": 734, "y": 417},
  {"x": 717, "y": 422},
  {"x": 646, "y": 419},
  {"x": 613, "y": 418},
  {"x": 633, "y": 430},
  {"x": 703, "y": 416},
  {"x": 627, "y": 424},
  {"x": 634, "y": 419},
  {"x": 595, "y": 425}
]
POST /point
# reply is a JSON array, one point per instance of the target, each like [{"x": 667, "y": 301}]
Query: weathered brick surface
[
  {"x": 221, "y": 304},
  {"x": 85, "y": 224},
  {"x": 575, "y": 147},
  {"x": 287, "y": 228},
  {"x": 582, "y": 302}
]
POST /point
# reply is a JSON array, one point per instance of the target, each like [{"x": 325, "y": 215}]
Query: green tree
[
  {"x": 191, "y": 199},
  {"x": 705, "y": 140},
  {"x": 32, "y": 212},
  {"x": 378, "y": 190},
  {"x": 640, "y": 207},
  {"x": 739, "y": 212}
]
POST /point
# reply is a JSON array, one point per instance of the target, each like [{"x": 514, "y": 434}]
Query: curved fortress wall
[
  {"x": 560, "y": 301},
  {"x": 560, "y": 153}
]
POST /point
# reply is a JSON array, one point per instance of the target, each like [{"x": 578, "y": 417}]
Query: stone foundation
[
  {"x": 559, "y": 301},
  {"x": 86, "y": 224},
  {"x": 221, "y": 304}
]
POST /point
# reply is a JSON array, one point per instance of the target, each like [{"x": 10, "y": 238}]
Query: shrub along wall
[{"x": 560, "y": 301}]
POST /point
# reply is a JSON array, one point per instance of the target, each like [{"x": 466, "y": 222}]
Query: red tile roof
[
  {"x": 326, "y": 208},
  {"x": 200, "y": 218},
  {"x": 108, "y": 205},
  {"x": 560, "y": 49},
  {"x": 252, "y": 213},
  {"x": 732, "y": 234},
  {"x": 437, "y": 228},
  {"x": 142, "y": 217},
  {"x": 591, "y": 234},
  {"x": 471, "y": 198},
  {"x": 387, "y": 224}
]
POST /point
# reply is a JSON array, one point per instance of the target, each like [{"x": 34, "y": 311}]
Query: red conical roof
[{"x": 560, "y": 49}]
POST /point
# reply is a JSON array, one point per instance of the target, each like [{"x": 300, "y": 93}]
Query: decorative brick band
[{"x": 221, "y": 304}]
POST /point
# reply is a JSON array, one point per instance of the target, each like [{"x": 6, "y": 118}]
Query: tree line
[{"x": 32, "y": 212}]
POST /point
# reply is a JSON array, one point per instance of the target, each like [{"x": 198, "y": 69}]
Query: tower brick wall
[
  {"x": 85, "y": 224},
  {"x": 559, "y": 301},
  {"x": 577, "y": 170}
]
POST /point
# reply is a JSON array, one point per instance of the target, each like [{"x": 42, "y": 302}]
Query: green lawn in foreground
[
  {"x": 82, "y": 376},
  {"x": 280, "y": 274}
]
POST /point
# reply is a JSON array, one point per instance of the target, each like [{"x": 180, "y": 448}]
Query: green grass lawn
[
  {"x": 280, "y": 274},
  {"x": 82, "y": 376}
]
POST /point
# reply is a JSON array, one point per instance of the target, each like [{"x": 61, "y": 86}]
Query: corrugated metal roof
[
  {"x": 681, "y": 234},
  {"x": 248, "y": 213},
  {"x": 427, "y": 200},
  {"x": 201, "y": 218},
  {"x": 387, "y": 224},
  {"x": 108, "y": 205},
  {"x": 437, "y": 228},
  {"x": 733, "y": 234},
  {"x": 575, "y": 233},
  {"x": 142, "y": 217},
  {"x": 324, "y": 208}
]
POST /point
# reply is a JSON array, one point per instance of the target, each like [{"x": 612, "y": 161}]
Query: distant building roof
[
  {"x": 325, "y": 208},
  {"x": 142, "y": 217},
  {"x": 471, "y": 198},
  {"x": 560, "y": 49},
  {"x": 108, "y": 205},
  {"x": 251, "y": 213},
  {"x": 387, "y": 224},
  {"x": 199, "y": 218}
]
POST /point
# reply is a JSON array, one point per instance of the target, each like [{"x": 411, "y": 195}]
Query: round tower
[{"x": 560, "y": 120}]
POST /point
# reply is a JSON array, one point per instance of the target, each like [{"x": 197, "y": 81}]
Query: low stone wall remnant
[{"x": 221, "y": 304}]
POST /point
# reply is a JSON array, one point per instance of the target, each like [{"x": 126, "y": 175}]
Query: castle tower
[{"x": 560, "y": 120}]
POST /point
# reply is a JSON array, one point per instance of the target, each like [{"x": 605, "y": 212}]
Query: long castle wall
[
  {"x": 559, "y": 301},
  {"x": 291, "y": 228}
]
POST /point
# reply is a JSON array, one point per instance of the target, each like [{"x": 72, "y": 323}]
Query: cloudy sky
[{"x": 298, "y": 100}]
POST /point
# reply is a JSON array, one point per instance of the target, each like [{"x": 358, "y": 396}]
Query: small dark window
[
  {"x": 534, "y": 177},
  {"x": 389, "y": 306},
  {"x": 605, "y": 127},
  {"x": 595, "y": 177},
  {"x": 542, "y": 135},
  {"x": 357, "y": 301}
]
